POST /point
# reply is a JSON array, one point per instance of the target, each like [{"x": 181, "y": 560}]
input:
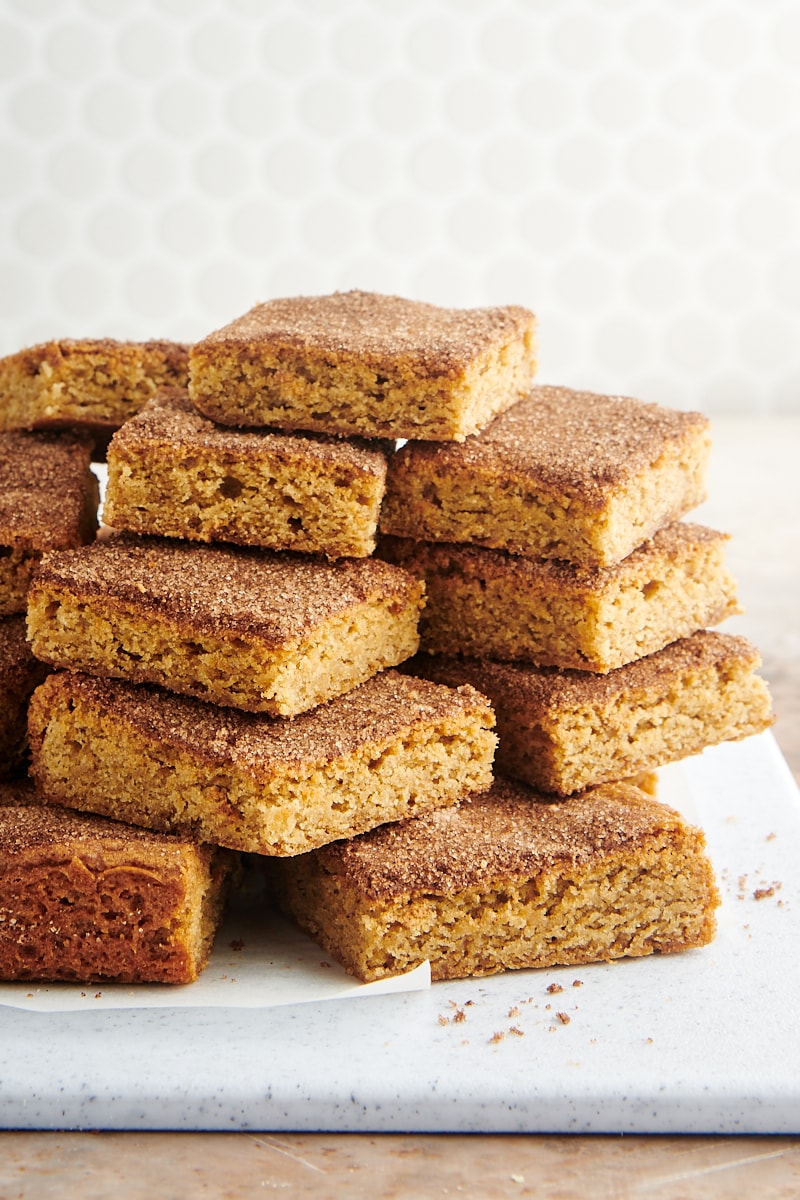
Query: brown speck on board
[
  {"x": 513, "y": 1012},
  {"x": 554, "y": 988},
  {"x": 237, "y": 944},
  {"x": 577, "y": 983},
  {"x": 517, "y": 1032},
  {"x": 564, "y": 1018},
  {"x": 497, "y": 1037},
  {"x": 459, "y": 1016}
]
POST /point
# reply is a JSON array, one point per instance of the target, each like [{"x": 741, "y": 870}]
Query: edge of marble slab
[{"x": 703, "y": 1042}]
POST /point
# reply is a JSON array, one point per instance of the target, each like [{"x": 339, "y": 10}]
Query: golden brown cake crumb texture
[
  {"x": 173, "y": 472},
  {"x": 392, "y": 746},
  {"x": 490, "y": 604},
  {"x": 506, "y": 881},
  {"x": 561, "y": 474},
  {"x": 362, "y": 363},
  {"x": 84, "y": 899},
  {"x": 261, "y": 631},
  {"x": 48, "y": 500},
  {"x": 562, "y": 731},
  {"x": 90, "y": 384}
]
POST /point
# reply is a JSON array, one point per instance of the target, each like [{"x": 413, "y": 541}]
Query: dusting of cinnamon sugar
[
  {"x": 171, "y": 418},
  {"x": 278, "y": 597},
  {"x": 382, "y": 708},
  {"x": 375, "y": 328},
  {"x": 574, "y": 443},
  {"x": 508, "y": 831},
  {"x": 43, "y": 487}
]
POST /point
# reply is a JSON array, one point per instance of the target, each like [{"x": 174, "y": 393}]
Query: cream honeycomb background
[{"x": 630, "y": 169}]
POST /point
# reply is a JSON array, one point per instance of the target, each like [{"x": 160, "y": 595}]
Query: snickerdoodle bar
[
  {"x": 173, "y": 472},
  {"x": 362, "y": 363},
  {"x": 561, "y": 731},
  {"x": 258, "y": 630},
  {"x": 505, "y": 881},
  {"x": 491, "y": 604},
  {"x": 48, "y": 500},
  {"x": 563, "y": 474},
  {"x": 86, "y": 899},
  {"x": 87, "y": 384},
  {"x": 393, "y": 746}
]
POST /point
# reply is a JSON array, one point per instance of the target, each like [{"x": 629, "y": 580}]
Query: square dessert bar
[
  {"x": 261, "y": 631},
  {"x": 89, "y": 384},
  {"x": 490, "y": 604},
  {"x": 86, "y": 899},
  {"x": 360, "y": 363},
  {"x": 393, "y": 746},
  {"x": 48, "y": 500},
  {"x": 562, "y": 474},
  {"x": 561, "y": 731},
  {"x": 504, "y": 882},
  {"x": 20, "y": 673},
  {"x": 173, "y": 472}
]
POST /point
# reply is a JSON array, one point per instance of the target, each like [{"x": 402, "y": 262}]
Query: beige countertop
[{"x": 754, "y": 494}]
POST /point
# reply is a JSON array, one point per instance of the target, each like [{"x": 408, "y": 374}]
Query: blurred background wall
[{"x": 630, "y": 169}]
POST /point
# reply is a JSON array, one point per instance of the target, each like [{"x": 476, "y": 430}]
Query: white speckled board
[{"x": 706, "y": 1041}]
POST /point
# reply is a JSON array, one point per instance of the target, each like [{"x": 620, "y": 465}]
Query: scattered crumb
[
  {"x": 555, "y": 987},
  {"x": 97, "y": 995},
  {"x": 29, "y": 995},
  {"x": 577, "y": 983},
  {"x": 325, "y": 964},
  {"x": 468, "y": 1003},
  {"x": 770, "y": 837},
  {"x": 563, "y": 1017},
  {"x": 443, "y": 1020},
  {"x": 497, "y": 1037},
  {"x": 649, "y": 1041},
  {"x": 762, "y": 892},
  {"x": 237, "y": 944},
  {"x": 517, "y": 1032},
  {"x": 513, "y": 1012},
  {"x": 459, "y": 1016}
]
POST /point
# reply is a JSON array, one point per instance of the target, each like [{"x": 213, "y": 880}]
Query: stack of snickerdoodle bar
[{"x": 223, "y": 664}]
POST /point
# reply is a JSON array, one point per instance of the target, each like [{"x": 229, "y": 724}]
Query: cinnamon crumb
[
  {"x": 513, "y": 1012},
  {"x": 497, "y": 1037},
  {"x": 443, "y": 1020},
  {"x": 517, "y": 1032},
  {"x": 554, "y": 988},
  {"x": 770, "y": 837},
  {"x": 564, "y": 1018},
  {"x": 460, "y": 1016},
  {"x": 577, "y": 983}
]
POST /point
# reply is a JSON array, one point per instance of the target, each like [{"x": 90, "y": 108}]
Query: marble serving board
[{"x": 707, "y": 1041}]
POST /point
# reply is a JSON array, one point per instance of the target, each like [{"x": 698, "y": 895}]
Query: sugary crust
[
  {"x": 171, "y": 421},
  {"x": 20, "y": 673},
  {"x": 568, "y": 579},
  {"x": 48, "y": 494},
  {"x": 389, "y": 705},
  {"x": 548, "y": 691},
  {"x": 506, "y": 833},
  {"x": 380, "y": 330},
  {"x": 574, "y": 444},
  {"x": 279, "y": 598},
  {"x": 17, "y": 664}
]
